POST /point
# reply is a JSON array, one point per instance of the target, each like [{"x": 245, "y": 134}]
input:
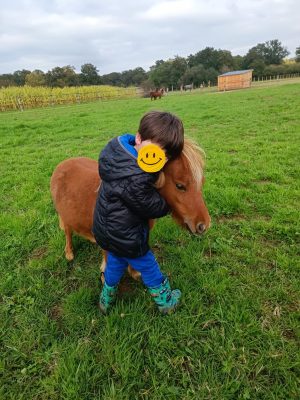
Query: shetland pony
[{"x": 75, "y": 183}]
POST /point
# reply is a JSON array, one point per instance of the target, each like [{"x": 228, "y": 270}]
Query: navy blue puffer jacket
[{"x": 127, "y": 199}]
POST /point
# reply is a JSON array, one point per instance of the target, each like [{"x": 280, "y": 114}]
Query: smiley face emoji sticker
[{"x": 151, "y": 158}]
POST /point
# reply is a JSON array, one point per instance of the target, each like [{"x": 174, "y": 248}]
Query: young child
[{"x": 126, "y": 201}]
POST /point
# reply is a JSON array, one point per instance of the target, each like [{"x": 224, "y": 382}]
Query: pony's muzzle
[{"x": 200, "y": 228}]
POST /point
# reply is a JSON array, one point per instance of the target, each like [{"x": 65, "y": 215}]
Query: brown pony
[
  {"x": 75, "y": 183},
  {"x": 157, "y": 93}
]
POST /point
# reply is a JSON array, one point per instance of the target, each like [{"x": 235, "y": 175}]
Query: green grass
[{"x": 236, "y": 334}]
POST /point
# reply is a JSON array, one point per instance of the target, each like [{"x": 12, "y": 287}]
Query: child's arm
[{"x": 142, "y": 197}]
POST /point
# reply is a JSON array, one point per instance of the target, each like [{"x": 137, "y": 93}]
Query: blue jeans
[{"x": 146, "y": 265}]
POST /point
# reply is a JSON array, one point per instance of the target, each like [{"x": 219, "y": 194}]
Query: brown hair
[{"x": 164, "y": 129}]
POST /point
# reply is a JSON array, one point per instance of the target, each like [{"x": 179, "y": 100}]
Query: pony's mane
[{"x": 195, "y": 157}]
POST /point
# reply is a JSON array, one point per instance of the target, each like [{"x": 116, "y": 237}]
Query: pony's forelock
[
  {"x": 195, "y": 157},
  {"x": 160, "y": 181}
]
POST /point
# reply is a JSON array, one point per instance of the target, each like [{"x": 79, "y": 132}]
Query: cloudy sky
[{"x": 116, "y": 35}]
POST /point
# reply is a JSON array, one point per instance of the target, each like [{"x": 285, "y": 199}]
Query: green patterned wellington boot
[
  {"x": 165, "y": 298},
  {"x": 107, "y": 297}
]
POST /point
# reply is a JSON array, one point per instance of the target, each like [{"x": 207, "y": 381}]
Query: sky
[{"x": 117, "y": 35}]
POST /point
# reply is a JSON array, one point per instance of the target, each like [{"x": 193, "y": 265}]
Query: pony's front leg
[
  {"x": 132, "y": 272},
  {"x": 151, "y": 223},
  {"x": 103, "y": 265},
  {"x": 68, "y": 233}
]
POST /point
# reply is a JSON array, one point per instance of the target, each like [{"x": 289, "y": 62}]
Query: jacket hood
[{"x": 116, "y": 161}]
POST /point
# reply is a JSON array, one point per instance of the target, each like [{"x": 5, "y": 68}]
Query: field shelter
[{"x": 235, "y": 80}]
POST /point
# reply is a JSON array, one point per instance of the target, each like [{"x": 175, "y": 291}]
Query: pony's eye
[{"x": 180, "y": 187}]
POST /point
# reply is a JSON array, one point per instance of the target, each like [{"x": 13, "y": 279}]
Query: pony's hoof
[
  {"x": 134, "y": 274},
  {"x": 102, "y": 278},
  {"x": 69, "y": 256}
]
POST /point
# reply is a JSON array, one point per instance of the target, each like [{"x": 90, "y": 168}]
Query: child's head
[{"x": 164, "y": 129}]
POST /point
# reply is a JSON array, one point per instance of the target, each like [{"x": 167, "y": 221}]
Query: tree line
[{"x": 202, "y": 67}]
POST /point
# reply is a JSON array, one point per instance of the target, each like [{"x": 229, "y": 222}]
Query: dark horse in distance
[{"x": 157, "y": 93}]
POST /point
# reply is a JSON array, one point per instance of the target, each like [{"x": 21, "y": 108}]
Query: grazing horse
[
  {"x": 75, "y": 183},
  {"x": 189, "y": 87},
  {"x": 157, "y": 93}
]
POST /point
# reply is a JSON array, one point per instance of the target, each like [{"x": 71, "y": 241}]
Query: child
[{"x": 126, "y": 201}]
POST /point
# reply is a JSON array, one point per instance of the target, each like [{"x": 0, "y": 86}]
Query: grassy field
[{"x": 236, "y": 334}]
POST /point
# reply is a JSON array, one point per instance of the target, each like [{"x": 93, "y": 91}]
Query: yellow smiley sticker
[{"x": 151, "y": 158}]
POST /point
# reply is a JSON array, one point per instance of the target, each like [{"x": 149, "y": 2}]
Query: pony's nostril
[{"x": 201, "y": 228}]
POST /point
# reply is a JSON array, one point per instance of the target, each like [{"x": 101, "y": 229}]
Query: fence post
[{"x": 19, "y": 104}]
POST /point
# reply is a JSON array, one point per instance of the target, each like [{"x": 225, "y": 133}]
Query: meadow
[{"x": 236, "y": 333}]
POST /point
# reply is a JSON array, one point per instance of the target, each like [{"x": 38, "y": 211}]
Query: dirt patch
[
  {"x": 194, "y": 128},
  {"x": 226, "y": 218},
  {"x": 263, "y": 181},
  {"x": 127, "y": 285},
  {"x": 158, "y": 251},
  {"x": 269, "y": 242},
  {"x": 209, "y": 253},
  {"x": 289, "y": 334},
  {"x": 39, "y": 252},
  {"x": 55, "y": 313}
]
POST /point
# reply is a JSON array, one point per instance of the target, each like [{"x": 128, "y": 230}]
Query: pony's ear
[{"x": 160, "y": 181}]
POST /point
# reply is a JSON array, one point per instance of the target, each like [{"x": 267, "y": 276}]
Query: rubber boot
[
  {"x": 107, "y": 297},
  {"x": 165, "y": 298}
]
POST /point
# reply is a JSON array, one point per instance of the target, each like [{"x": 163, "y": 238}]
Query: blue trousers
[{"x": 146, "y": 265}]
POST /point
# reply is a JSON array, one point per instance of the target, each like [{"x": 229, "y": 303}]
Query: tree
[
  {"x": 168, "y": 73},
  {"x": 237, "y": 62},
  {"x": 298, "y": 54},
  {"x": 195, "y": 75},
  {"x": 208, "y": 57},
  {"x": 177, "y": 69},
  {"x": 160, "y": 73},
  {"x": 220, "y": 60},
  {"x": 62, "y": 76},
  {"x": 6, "y": 80},
  {"x": 225, "y": 61},
  {"x": 114, "y": 79},
  {"x": 35, "y": 78},
  {"x": 274, "y": 52},
  {"x": 258, "y": 67},
  {"x": 133, "y": 76},
  {"x": 146, "y": 85},
  {"x": 254, "y": 59},
  {"x": 89, "y": 75},
  {"x": 211, "y": 75},
  {"x": 270, "y": 52},
  {"x": 19, "y": 77},
  {"x": 157, "y": 64},
  {"x": 139, "y": 75}
]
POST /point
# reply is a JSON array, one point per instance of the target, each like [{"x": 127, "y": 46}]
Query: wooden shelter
[{"x": 235, "y": 80}]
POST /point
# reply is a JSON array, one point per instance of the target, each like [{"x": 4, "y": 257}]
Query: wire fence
[
  {"x": 274, "y": 77},
  {"x": 256, "y": 81}
]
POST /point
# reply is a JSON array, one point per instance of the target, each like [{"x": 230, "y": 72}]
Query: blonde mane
[{"x": 196, "y": 159}]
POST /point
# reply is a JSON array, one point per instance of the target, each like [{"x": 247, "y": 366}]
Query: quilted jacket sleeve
[{"x": 141, "y": 197}]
